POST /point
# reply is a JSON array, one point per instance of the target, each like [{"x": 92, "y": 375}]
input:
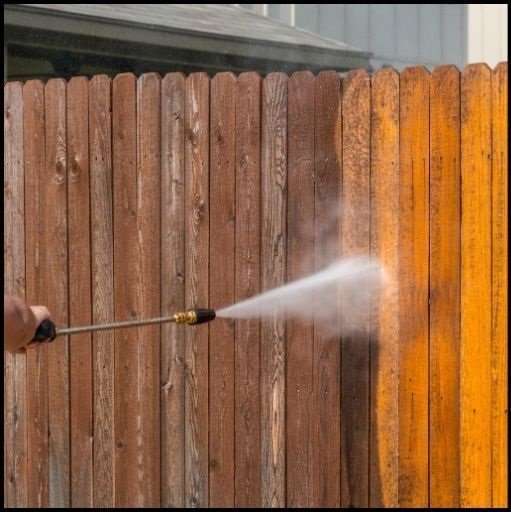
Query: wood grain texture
[
  {"x": 247, "y": 283},
  {"x": 413, "y": 287},
  {"x": 127, "y": 406},
  {"x": 148, "y": 229},
  {"x": 327, "y": 248},
  {"x": 54, "y": 269},
  {"x": 37, "y": 360},
  {"x": 355, "y": 241},
  {"x": 196, "y": 288},
  {"x": 476, "y": 305},
  {"x": 101, "y": 219},
  {"x": 384, "y": 346},
  {"x": 444, "y": 277},
  {"x": 300, "y": 251},
  {"x": 15, "y": 370},
  {"x": 222, "y": 191},
  {"x": 80, "y": 307},
  {"x": 499, "y": 289},
  {"x": 172, "y": 383},
  {"x": 273, "y": 273}
]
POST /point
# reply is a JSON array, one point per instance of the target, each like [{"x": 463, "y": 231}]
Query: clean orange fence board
[
  {"x": 196, "y": 289},
  {"x": 80, "y": 308},
  {"x": 132, "y": 198},
  {"x": 15, "y": 405},
  {"x": 36, "y": 292},
  {"x": 355, "y": 241},
  {"x": 499, "y": 287},
  {"x": 384, "y": 345},
  {"x": 300, "y": 247},
  {"x": 273, "y": 274},
  {"x": 222, "y": 188},
  {"x": 101, "y": 219},
  {"x": 172, "y": 290},
  {"x": 247, "y": 283},
  {"x": 413, "y": 287},
  {"x": 444, "y": 277},
  {"x": 476, "y": 306}
]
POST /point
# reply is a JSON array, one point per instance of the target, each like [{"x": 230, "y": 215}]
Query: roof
[
  {"x": 201, "y": 27},
  {"x": 203, "y": 18}
]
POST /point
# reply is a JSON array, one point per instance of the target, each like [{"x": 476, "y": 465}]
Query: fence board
[
  {"x": 300, "y": 246},
  {"x": 413, "y": 287},
  {"x": 327, "y": 349},
  {"x": 273, "y": 273},
  {"x": 136, "y": 279},
  {"x": 222, "y": 281},
  {"x": 148, "y": 223},
  {"x": 476, "y": 283},
  {"x": 101, "y": 222},
  {"x": 36, "y": 293},
  {"x": 444, "y": 279},
  {"x": 384, "y": 345},
  {"x": 499, "y": 288},
  {"x": 172, "y": 289},
  {"x": 80, "y": 349},
  {"x": 15, "y": 378},
  {"x": 127, "y": 406},
  {"x": 54, "y": 267},
  {"x": 196, "y": 288},
  {"x": 355, "y": 241},
  {"x": 247, "y": 283}
]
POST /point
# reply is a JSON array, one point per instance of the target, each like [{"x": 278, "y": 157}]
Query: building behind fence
[{"x": 63, "y": 40}]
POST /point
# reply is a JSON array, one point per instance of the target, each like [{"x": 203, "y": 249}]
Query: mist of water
[{"x": 338, "y": 296}]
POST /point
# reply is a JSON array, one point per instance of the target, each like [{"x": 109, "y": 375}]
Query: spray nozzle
[{"x": 195, "y": 316}]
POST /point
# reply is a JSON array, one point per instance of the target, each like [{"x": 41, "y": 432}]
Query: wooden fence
[{"x": 131, "y": 198}]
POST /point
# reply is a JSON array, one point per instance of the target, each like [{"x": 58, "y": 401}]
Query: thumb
[{"x": 41, "y": 314}]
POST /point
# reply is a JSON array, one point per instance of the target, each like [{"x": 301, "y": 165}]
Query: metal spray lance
[{"x": 48, "y": 331}]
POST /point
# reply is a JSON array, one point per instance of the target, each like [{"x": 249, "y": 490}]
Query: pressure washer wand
[{"x": 48, "y": 331}]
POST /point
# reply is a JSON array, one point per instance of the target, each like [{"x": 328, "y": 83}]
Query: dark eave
[{"x": 42, "y": 28}]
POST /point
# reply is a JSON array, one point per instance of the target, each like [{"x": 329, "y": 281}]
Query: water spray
[{"x": 48, "y": 331}]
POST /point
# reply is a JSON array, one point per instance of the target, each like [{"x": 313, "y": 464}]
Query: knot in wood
[
  {"x": 58, "y": 178},
  {"x": 200, "y": 210},
  {"x": 75, "y": 170}
]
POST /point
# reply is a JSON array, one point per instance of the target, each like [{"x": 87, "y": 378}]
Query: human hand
[
  {"x": 41, "y": 314},
  {"x": 21, "y": 322}
]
